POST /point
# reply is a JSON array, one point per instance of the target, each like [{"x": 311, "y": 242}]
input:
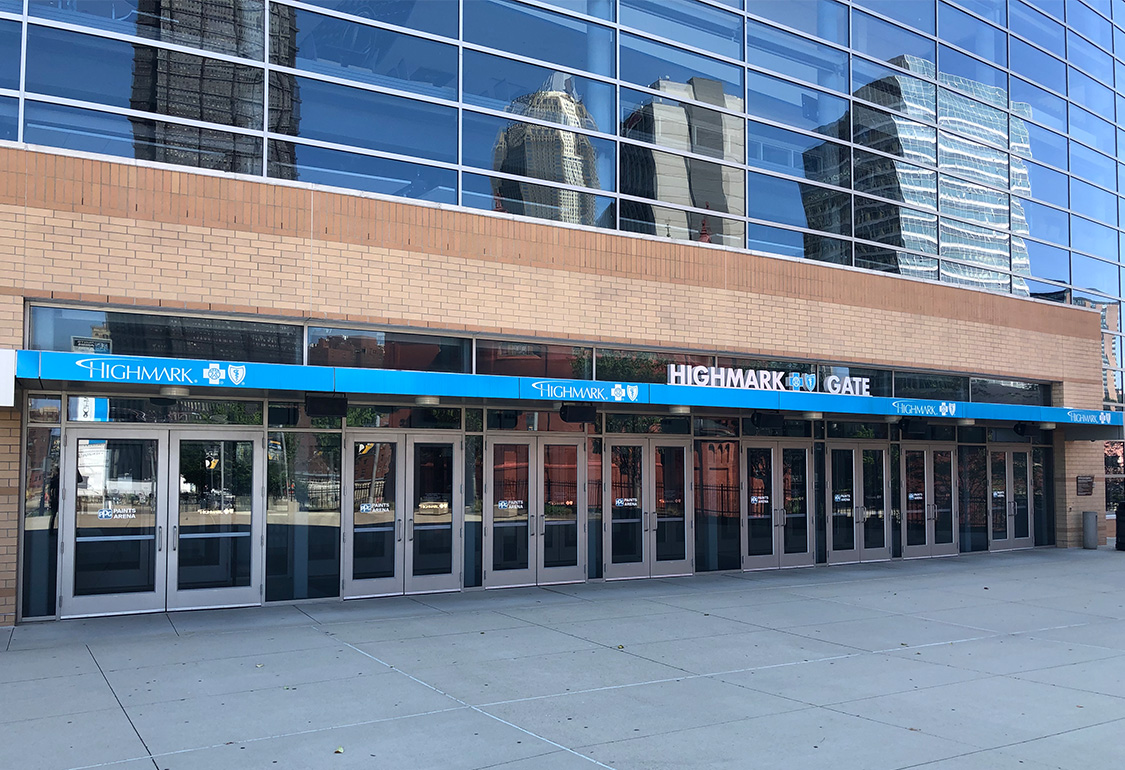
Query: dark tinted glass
[
  {"x": 9, "y": 119},
  {"x": 826, "y": 19},
  {"x": 336, "y": 168},
  {"x": 895, "y": 179},
  {"x": 974, "y": 77},
  {"x": 540, "y": 92},
  {"x": 799, "y": 155},
  {"x": 140, "y": 77},
  {"x": 436, "y": 16},
  {"x": 526, "y": 359},
  {"x": 643, "y": 423},
  {"x": 303, "y": 516},
  {"x": 1031, "y": 101},
  {"x": 648, "y": 63},
  {"x": 638, "y": 217},
  {"x": 354, "y": 51},
  {"x": 540, "y": 34},
  {"x": 889, "y": 87},
  {"x": 890, "y": 43},
  {"x": 871, "y": 257},
  {"x": 183, "y": 411},
  {"x": 802, "y": 205},
  {"x": 797, "y": 57},
  {"x": 10, "y": 42},
  {"x": 697, "y": 25},
  {"x": 880, "y": 381},
  {"x": 155, "y": 140},
  {"x": 540, "y": 152},
  {"x": 1010, "y": 392},
  {"x": 681, "y": 125},
  {"x": 232, "y": 26},
  {"x": 680, "y": 180},
  {"x": 405, "y": 417},
  {"x": 1041, "y": 67},
  {"x": 515, "y": 196},
  {"x": 785, "y": 102},
  {"x": 135, "y": 334},
  {"x": 894, "y": 135},
  {"x": 857, "y": 430},
  {"x": 964, "y": 31},
  {"x": 387, "y": 350},
  {"x": 313, "y": 109},
  {"x": 939, "y": 386},
  {"x": 717, "y": 506},
  {"x": 972, "y": 276},
  {"x": 41, "y": 521},
  {"x": 641, "y": 365},
  {"x": 894, "y": 225}
]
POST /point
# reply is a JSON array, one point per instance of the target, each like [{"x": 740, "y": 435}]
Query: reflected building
[
  {"x": 548, "y": 153},
  {"x": 683, "y": 180}
]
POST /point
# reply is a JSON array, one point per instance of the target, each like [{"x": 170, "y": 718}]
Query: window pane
[
  {"x": 1094, "y": 202},
  {"x": 889, "y": 260},
  {"x": 1044, "y": 183},
  {"x": 317, "y": 165},
  {"x": 1090, "y": 93},
  {"x": 931, "y": 386},
  {"x": 975, "y": 277},
  {"x": 790, "y": 243},
  {"x": 536, "y": 200},
  {"x": 1090, "y": 273},
  {"x": 336, "y": 113},
  {"x": 100, "y": 132},
  {"x": 891, "y": 88},
  {"x": 303, "y": 516},
  {"x": 681, "y": 126},
  {"x": 164, "y": 336},
  {"x": 894, "y": 179},
  {"x": 971, "y": 201},
  {"x": 436, "y": 16},
  {"x": 602, "y": 9},
  {"x": 11, "y": 33},
  {"x": 539, "y": 34},
  {"x": 826, "y": 19},
  {"x": 802, "y": 205},
  {"x": 527, "y": 89},
  {"x": 797, "y": 57},
  {"x": 918, "y": 15},
  {"x": 9, "y": 119},
  {"x": 638, "y": 217},
  {"x": 40, "y": 522},
  {"x": 1033, "y": 63},
  {"x": 641, "y": 365},
  {"x": 694, "y": 24},
  {"x": 887, "y": 42},
  {"x": 974, "y": 77},
  {"x": 1092, "y": 166},
  {"x": 525, "y": 359},
  {"x": 785, "y": 102},
  {"x": 1034, "y": 103},
  {"x": 895, "y": 225},
  {"x": 1092, "y": 130},
  {"x": 646, "y": 63},
  {"x": 894, "y": 135},
  {"x": 1042, "y": 30},
  {"x": 799, "y": 155},
  {"x": 1039, "y": 143},
  {"x": 1045, "y": 261},
  {"x": 354, "y": 51},
  {"x": 975, "y": 245},
  {"x": 367, "y": 349},
  {"x": 1093, "y": 238},
  {"x": 139, "y": 77},
  {"x": 680, "y": 180},
  {"x": 973, "y": 160},
  {"x": 541, "y": 152},
  {"x": 972, "y": 119},
  {"x": 988, "y": 9},
  {"x": 964, "y": 31},
  {"x": 1086, "y": 56},
  {"x": 233, "y": 27},
  {"x": 1044, "y": 222}
]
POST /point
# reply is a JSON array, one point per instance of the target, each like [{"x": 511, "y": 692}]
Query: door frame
[
  {"x": 648, "y": 566},
  {"x": 453, "y": 580},
  {"x": 1011, "y": 542},
  {"x": 778, "y": 558},
  {"x": 352, "y": 588},
  {"x": 880, "y": 553},
  {"x": 71, "y": 605},
  {"x": 241, "y": 596},
  {"x": 853, "y": 554},
  {"x": 931, "y": 547}
]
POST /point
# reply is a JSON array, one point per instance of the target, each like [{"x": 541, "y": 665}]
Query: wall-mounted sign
[
  {"x": 1085, "y": 485},
  {"x": 765, "y": 379}
]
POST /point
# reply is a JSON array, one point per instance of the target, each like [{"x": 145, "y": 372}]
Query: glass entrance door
[
  {"x": 776, "y": 506},
  {"x": 215, "y": 507},
  {"x": 650, "y": 505},
  {"x": 929, "y": 523},
  {"x": 1009, "y": 512},
  {"x": 434, "y": 515},
  {"x": 373, "y": 526},
  {"x": 534, "y": 522},
  {"x": 843, "y": 505},
  {"x": 156, "y": 520}
]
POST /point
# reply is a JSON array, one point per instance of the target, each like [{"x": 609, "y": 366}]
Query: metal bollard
[{"x": 1089, "y": 530}]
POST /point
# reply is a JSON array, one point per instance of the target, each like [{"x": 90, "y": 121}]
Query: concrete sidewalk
[{"x": 983, "y": 661}]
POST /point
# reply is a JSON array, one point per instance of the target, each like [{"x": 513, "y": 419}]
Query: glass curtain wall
[{"x": 967, "y": 142}]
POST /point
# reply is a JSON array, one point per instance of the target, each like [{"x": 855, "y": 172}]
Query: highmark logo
[
  {"x": 215, "y": 374},
  {"x": 914, "y": 409},
  {"x": 127, "y": 370},
  {"x": 560, "y": 391},
  {"x": 1090, "y": 418}
]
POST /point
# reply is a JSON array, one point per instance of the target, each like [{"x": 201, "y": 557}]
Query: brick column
[{"x": 9, "y": 511}]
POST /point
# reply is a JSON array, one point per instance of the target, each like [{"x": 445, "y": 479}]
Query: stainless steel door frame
[
  {"x": 353, "y": 587},
  {"x": 786, "y": 506},
  {"x": 498, "y": 502},
  {"x": 434, "y": 576}
]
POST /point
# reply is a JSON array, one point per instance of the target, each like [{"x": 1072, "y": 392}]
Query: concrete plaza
[{"x": 983, "y": 661}]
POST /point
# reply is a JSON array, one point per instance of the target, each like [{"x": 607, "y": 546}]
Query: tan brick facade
[{"x": 87, "y": 231}]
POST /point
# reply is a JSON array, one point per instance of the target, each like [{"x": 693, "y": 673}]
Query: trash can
[
  {"x": 1089, "y": 530},
  {"x": 1121, "y": 526}
]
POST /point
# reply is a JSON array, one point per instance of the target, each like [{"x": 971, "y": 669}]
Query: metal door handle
[
  {"x": 160, "y": 538},
  {"x": 175, "y": 536},
  {"x": 644, "y": 521},
  {"x": 410, "y": 530},
  {"x": 542, "y": 525},
  {"x": 398, "y": 530}
]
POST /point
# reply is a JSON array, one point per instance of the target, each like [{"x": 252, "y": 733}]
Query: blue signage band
[{"x": 138, "y": 370}]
